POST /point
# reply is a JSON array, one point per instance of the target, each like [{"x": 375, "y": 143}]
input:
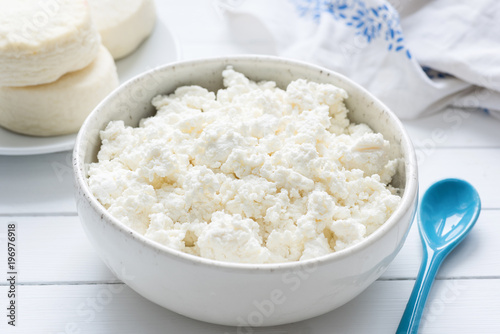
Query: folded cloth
[{"x": 440, "y": 53}]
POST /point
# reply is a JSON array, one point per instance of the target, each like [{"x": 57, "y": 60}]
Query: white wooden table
[{"x": 63, "y": 287}]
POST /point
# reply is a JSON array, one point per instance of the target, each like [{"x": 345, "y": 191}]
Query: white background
[{"x": 64, "y": 288}]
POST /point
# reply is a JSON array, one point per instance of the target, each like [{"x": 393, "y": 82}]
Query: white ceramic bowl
[{"x": 229, "y": 293}]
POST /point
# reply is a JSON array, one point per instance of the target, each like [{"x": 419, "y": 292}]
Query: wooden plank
[
  {"x": 479, "y": 166},
  {"x": 462, "y": 306},
  {"x": 454, "y": 306},
  {"x": 54, "y": 249},
  {"x": 476, "y": 256},
  {"x": 47, "y": 180},
  {"x": 36, "y": 184},
  {"x": 454, "y": 128}
]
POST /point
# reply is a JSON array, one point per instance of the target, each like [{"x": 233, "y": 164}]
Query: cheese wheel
[
  {"x": 41, "y": 40},
  {"x": 60, "y": 107},
  {"x": 123, "y": 24}
]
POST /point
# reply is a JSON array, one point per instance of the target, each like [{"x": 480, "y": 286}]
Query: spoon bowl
[{"x": 448, "y": 211}]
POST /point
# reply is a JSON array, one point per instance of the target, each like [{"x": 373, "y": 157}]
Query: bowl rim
[{"x": 408, "y": 200}]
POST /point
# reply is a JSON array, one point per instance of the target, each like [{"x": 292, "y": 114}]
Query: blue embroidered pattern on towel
[{"x": 371, "y": 22}]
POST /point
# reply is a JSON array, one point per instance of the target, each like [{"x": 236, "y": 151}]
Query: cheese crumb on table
[{"x": 251, "y": 174}]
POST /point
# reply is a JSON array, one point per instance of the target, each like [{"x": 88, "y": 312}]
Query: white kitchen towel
[{"x": 418, "y": 57}]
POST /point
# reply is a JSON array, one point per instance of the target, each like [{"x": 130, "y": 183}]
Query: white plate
[{"x": 160, "y": 48}]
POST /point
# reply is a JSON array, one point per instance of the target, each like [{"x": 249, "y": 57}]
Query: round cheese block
[
  {"x": 123, "y": 24},
  {"x": 40, "y": 41},
  {"x": 60, "y": 107}
]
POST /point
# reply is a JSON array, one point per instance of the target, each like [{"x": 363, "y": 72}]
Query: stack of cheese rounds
[
  {"x": 123, "y": 24},
  {"x": 53, "y": 68}
]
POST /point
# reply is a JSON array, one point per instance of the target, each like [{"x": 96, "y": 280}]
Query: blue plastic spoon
[{"x": 448, "y": 211}]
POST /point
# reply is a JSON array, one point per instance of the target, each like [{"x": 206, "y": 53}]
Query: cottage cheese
[{"x": 251, "y": 174}]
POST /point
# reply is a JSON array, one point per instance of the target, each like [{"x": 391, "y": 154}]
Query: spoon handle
[{"x": 414, "y": 308}]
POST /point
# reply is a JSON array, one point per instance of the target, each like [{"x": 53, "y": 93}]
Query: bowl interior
[{"x": 132, "y": 101}]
